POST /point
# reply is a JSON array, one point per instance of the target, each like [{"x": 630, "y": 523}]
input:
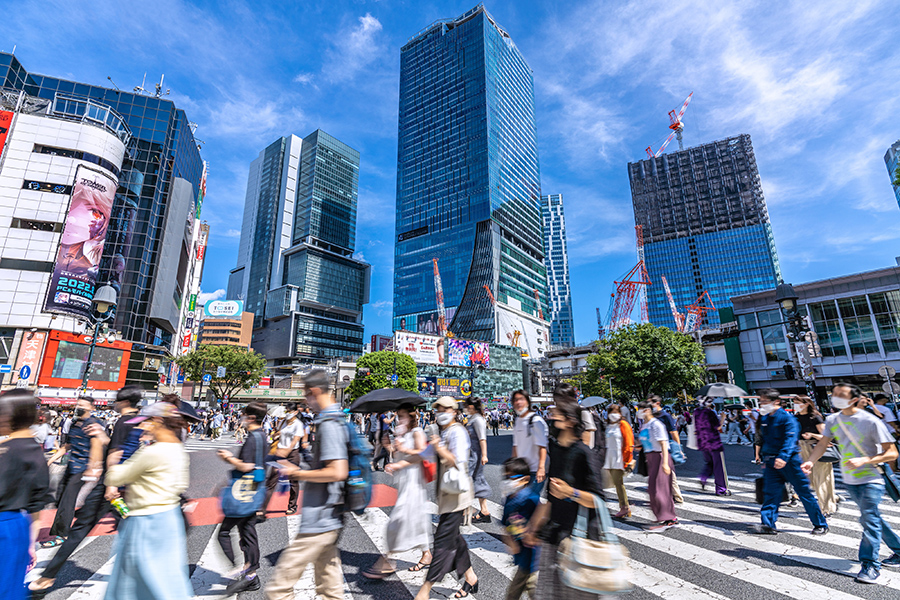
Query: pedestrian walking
[
  {"x": 673, "y": 441},
  {"x": 454, "y": 496},
  {"x": 654, "y": 444},
  {"x": 780, "y": 453},
  {"x": 323, "y": 500},
  {"x": 24, "y": 490},
  {"x": 812, "y": 428},
  {"x": 477, "y": 428},
  {"x": 530, "y": 433},
  {"x": 865, "y": 443},
  {"x": 521, "y": 501},
  {"x": 619, "y": 456},
  {"x": 151, "y": 552},
  {"x": 709, "y": 442},
  {"x": 409, "y": 527},
  {"x": 290, "y": 438},
  {"x": 573, "y": 482},
  {"x": 495, "y": 422}
]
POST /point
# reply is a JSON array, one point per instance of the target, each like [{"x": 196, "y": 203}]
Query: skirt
[
  {"x": 409, "y": 527},
  {"x": 151, "y": 559},
  {"x": 549, "y": 585},
  {"x": 14, "y": 539}
]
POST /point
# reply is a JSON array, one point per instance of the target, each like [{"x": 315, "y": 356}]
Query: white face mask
[
  {"x": 765, "y": 409},
  {"x": 511, "y": 486},
  {"x": 444, "y": 419},
  {"x": 840, "y": 403},
  {"x": 521, "y": 412},
  {"x": 614, "y": 417}
]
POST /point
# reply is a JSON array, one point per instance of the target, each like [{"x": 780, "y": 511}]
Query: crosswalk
[
  {"x": 226, "y": 442},
  {"x": 709, "y": 555}
]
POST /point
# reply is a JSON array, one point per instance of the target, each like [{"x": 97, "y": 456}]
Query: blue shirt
[
  {"x": 517, "y": 512},
  {"x": 79, "y": 445},
  {"x": 779, "y": 431}
]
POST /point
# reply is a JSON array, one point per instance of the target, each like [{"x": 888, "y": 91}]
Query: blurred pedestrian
[
  {"x": 521, "y": 501},
  {"x": 454, "y": 496},
  {"x": 812, "y": 427},
  {"x": 654, "y": 444},
  {"x": 24, "y": 490},
  {"x": 477, "y": 428},
  {"x": 290, "y": 437},
  {"x": 530, "y": 433},
  {"x": 709, "y": 441},
  {"x": 619, "y": 456},
  {"x": 151, "y": 553},
  {"x": 674, "y": 442}
]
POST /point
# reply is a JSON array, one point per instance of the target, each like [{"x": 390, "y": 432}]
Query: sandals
[
  {"x": 421, "y": 566},
  {"x": 466, "y": 589},
  {"x": 53, "y": 542}
]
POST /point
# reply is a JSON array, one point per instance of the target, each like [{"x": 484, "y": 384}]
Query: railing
[{"x": 93, "y": 112}]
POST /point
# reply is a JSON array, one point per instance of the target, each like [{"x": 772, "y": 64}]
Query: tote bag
[
  {"x": 594, "y": 566},
  {"x": 245, "y": 494}
]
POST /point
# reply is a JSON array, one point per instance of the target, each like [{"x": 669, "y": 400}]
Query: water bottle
[{"x": 121, "y": 507}]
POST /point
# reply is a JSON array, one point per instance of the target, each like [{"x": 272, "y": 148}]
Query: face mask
[
  {"x": 80, "y": 412},
  {"x": 840, "y": 403},
  {"x": 614, "y": 418},
  {"x": 444, "y": 419},
  {"x": 521, "y": 412},
  {"x": 765, "y": 409},
  {"x": 510, "y": 486}
]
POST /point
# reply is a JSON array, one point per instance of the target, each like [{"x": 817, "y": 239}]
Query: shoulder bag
[
  {"x": 245, "y": 494},
  {"x": 890, "y": 485},
  {"x": 594, "y": 566},
  {"x": 455, "y": 480}
]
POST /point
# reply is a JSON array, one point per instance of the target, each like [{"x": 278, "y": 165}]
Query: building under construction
[{"x": 705, "y": 226}]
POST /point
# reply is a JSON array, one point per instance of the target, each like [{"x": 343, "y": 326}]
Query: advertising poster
[
  {"x": 74, "y": 275},
  {"x": 444, "y": 386},
  {"x": 65, "y": 357},
  {"x": 466, "y": 353},
  {"x": 118, "y": 241},
  {"x": 430, "y": 324},
  {"x": 223, "y": 308},
  {"x": 6, "y": 118},
  {"x": 30, "y": 351},
  {"x": 428, "y": 349}
]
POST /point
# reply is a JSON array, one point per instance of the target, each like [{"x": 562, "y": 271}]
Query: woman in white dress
[{"x": 409, "y": 527}]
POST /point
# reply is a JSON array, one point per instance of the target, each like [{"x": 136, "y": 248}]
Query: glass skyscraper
[
  {"x": 556, "y": 259},
  {"x": 706, "y": 226},
  {"x": 468, "y": 180},
  {"x": 892, "y": 162},
  {"x": 296, "y": 270},
  {"x": 159, "y": 191}
]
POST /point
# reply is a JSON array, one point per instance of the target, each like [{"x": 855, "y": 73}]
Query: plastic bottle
[{"x": 121, "y": 507}]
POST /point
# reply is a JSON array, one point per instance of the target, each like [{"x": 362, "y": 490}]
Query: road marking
[
  {"x": 95, "y": 586},
  {"x": 45, "y": 555},
  {"x": 213, "y": 573}
]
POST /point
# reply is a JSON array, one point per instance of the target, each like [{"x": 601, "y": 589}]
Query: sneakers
[
  {"x": 819, "y": 530},
  {"x": 244, "y": 584},
  {"x": 663, "y": 526},
  {"x": 763, "y": 530},
  {"x": 868, "y": 574},
  {"x": 725, "y": 493},
  {"x": 893, "y": 561}
]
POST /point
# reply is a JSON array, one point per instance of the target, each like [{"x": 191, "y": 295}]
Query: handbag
[
  {"x": 455, "y": 481},
  {"x": 832, "y": 455},
  {"x": 890, "y": 485},
  {"x": 245, "y": 494},
  {"x": 429, "y": 470},
  {"x": 641, "y": 466},
  {"x": 761, "y": 494},
  {"x": 594, "y": 566},
  {"x": 692, "y": 437}
]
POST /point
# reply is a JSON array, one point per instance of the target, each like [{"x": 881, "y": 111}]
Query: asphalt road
[{"x": 708, "y": 556}]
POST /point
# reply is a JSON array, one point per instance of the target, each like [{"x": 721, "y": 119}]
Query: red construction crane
[
  {"x": 676, "y": 125},
  {"x": 439, "y": 296},
  {"x": 696, "y": 312},
  {"x": 490, "y": 295},
  {"x": 627, "y": 289},
  {"x": 679, "y": 318}
]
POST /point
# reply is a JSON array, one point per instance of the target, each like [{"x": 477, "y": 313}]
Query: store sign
[
  {"x": 77, "y": 267},
  {"x": 201, "y": 252},
  {"x": 186, "y": 341},
  {"x": 193, "y": 303},
  {"x": 30, "y": 350},
  {"x": 444, "y": 386},
  {"x": 6, "y": 118},
  {"x": 224, "y": 308},
  {"x": 466, "y": 353},
  {"x": 426, "y": 349}
]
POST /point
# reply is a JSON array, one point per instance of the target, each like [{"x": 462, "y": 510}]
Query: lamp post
[
  {"x": 103, "y": 305},
  {"x": 787, "y": 298}
]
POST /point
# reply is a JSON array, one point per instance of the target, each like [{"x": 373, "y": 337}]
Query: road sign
[
  {"x": 220, "y": 372},
  {"x": 5, "y": 368},
  {"x": 891, "y": 387},
  {"x": 886, "y": 371},
  {"x": 25, "y": 372},
  {"x": 394, "y": 379},
  {"x": 207, "y": 378}
]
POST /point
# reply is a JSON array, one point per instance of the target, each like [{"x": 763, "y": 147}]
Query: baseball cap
[{"x": 447, "y": 402}]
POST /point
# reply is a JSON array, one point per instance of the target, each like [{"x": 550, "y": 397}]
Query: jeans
[
  {"x": 867, "y": 497},
  {"x": 773, "y": 482}
]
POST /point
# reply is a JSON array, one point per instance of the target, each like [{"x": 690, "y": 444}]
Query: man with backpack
[
  {"x": 323, "y": 500},
  {"x": 530, "y": 434}
]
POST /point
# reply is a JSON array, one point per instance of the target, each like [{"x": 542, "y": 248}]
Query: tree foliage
[
  {"x": 381, "y": 366},
  {"x": 644, "y": 359},
  {"x": 243, "y": 368}
]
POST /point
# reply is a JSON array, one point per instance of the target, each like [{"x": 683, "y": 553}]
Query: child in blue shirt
[{"x": 521, "y": 502}]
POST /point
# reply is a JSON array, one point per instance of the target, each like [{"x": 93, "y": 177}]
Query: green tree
[
  {"x": 381, "y": 366},
  {"x": 644, "y": 359},
  {"x": 243, "y": 368}
]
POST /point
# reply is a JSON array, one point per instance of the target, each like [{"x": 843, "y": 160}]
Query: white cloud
[
  {"x": 205, "y": 297},
  {"x": 232, "y": 233},
  {"x": 382, "y": 307},
  {"x": 304, "y": 78},
  {"x": 354, "y": 49}
]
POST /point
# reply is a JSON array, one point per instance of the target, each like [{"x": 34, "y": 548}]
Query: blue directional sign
[
  {"x": 5, "y": 368},
  {"x": 207, "y": 378},
  {"x": 25, "y": 372}
]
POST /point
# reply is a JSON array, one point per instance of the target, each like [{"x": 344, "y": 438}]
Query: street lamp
[
  {"x": 787, "y": 298},
  {"x": 103, "y": 304}
]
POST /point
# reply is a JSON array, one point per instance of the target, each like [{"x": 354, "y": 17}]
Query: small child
[{"x": 521, "y": 502}]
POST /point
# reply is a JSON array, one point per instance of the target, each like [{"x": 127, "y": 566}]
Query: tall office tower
[
  {"x": 151, "y": 234},
  {"x": 556, "y": 259},
  {"x": 296, "y": 270},
  {"x": 706, "y": 226},
  {"x": 468, "y": 186},
  {"x": 892, "y": 161}
]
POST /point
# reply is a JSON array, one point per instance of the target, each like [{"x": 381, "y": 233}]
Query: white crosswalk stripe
[{"x": 197, "y": 445}]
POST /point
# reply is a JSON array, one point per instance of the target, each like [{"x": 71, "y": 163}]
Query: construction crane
[
  {"x": 696, "y": 312},
  {"x": 676, "y": 125},
  {"x": 679, "y": 318},
  {"x": 439, "y": 296},
  {"x": 639, "y": 237},
  {"x": 516, "y": 333},
  {"x": 599, "y": 326},
  {"x": 626, "y": 290}
]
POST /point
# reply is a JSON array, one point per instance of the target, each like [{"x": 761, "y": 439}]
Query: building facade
[
  {"x": 296, "y": 270},
  {"x": 892, "y": 162},
  {"x": 705, "y": 225},
  {"x": 228, "y": 331},
  {"x": 856, "y": 319},
  {"x": 468, "y": 185},
  {"x": 556, "y": 261}
]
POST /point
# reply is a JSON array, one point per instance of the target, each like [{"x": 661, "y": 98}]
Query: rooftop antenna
[
  {"x": 113, "y": 83},
  {"x": 14, "y": 49},
  {"x": 140, "y": 88},
  {"x": 159, "y": 87}
]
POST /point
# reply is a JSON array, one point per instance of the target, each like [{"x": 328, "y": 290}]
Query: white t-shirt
[
  {"x": 289, "y": 432},
  {"x": 613, "y": 447},
  {"x": 654, "y": 433},
  {"x": 887, "y": 412},
  {"x": 456, "y": 439},
  {"x": 527, "y": 440}
]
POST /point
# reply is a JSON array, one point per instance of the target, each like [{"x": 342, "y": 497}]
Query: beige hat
[{"x": 446, "y": 402}]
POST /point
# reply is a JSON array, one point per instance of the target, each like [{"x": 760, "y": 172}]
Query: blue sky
[{"x": 816, "y": 85}]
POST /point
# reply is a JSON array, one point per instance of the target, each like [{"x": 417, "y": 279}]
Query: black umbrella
[
  {"x": 721, "y": 390},
  {"x": 385, "y": 400},
  {"x": 592, "y": 401}
]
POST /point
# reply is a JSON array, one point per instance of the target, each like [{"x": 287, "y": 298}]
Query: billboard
[
  {"x": 444, "y": 386},
  {"x": 466, "y": 353},
  {"x": 6, "y": 118},
  {"x": 226, "y": 309},
  {"x": 30, "y": 350},
  {"x": 421, "y": 348},
  {"x": 430, "y": 323},
  {"x": 77, "y": 267},
  {"x": 380, "y": 342},
  {"x": 67, "y": 354}
]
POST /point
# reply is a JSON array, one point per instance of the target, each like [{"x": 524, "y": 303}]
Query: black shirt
[
  {"x": 575, "y": 466},
  {"x": 247, "y": 453},
  {"x": 125, "y": 436},
  {"x": 809, "y": 422},
  {"x": 24, "y": 476}
]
